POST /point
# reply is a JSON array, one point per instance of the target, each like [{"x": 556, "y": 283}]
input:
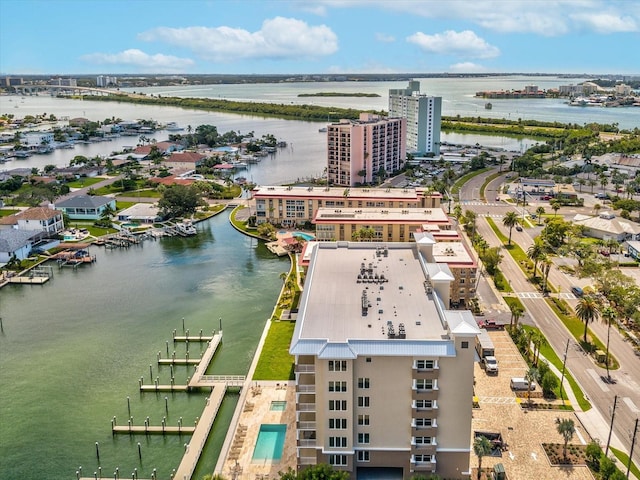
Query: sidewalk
[{"x": 592, "y": 421}]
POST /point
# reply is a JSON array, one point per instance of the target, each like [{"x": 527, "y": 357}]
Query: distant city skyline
[{"x": 318, "y": 37}]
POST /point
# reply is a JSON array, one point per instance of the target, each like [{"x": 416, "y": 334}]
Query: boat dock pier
[
  {"x": 36, "y": 276},
  {"x": 199, "y": 432}
]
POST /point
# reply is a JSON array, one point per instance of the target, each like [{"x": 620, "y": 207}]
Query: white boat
[
  {"x": 186, "y": 228},
  {"x": 174, "y": 127},
  {"x": 322, "y": 130}
]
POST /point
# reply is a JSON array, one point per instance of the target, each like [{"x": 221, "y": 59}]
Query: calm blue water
[
  {"x": 72, "y": 351},
  {"x": 270, "y": 442}
]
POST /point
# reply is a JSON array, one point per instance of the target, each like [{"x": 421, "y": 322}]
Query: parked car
[
  {"x": 490, "y": 364},
  {"x": 545, "y": 197},
  {"x": 577, "y": 291},
  {"x": 518, "y": 383},
  {"x": 519, "y": 228}
]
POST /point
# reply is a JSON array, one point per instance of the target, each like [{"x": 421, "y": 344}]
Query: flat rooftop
[
  {"x": 332, "y": 305},
  {"x": 383, "y": 215},
  {"x": 408, "y": 194},
  {"x": 452, "y": 253}
]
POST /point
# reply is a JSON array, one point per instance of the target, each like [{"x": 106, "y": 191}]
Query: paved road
[{"x": 588, "y": 375}]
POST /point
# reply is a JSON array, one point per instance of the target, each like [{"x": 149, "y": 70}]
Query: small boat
[
  {"x": 174, "y": 127},
  {"x": 488, "y": 106},
  {"x": 322, "y": 130},
  {"x": 186, "y": 228}
]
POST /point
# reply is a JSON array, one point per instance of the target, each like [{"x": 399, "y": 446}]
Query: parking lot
[{"x": 524, "y": 431}]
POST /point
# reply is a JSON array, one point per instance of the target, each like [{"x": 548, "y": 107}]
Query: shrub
[{"x": 549, "y": 383}]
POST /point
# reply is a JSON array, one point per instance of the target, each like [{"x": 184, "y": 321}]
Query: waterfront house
[
  {"x": 140, "y": 213},
  {"x": 86, "y": 207},
  {"x": 36, "y": 219},
  {"x": 16, "y": 242},
  {"x": 164, "y": 148},
  {"x": 185, "y": 160}
]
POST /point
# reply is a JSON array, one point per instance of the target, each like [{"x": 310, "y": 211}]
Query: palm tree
[
  {"x": 532, "y": 375},
  {"x": 481, "y": 447},
  {"x": 555, "y": 206},
  {"x": 608, "y": 315},
  {"x": 510, "y": 220},
  {"x": 538, "y": 340},
  {"x": 545, "y": 265},
  {"x": 566, "y": 428},
  {"x": 516, "y": 314},
  {"x": 604, "y": 181},
  {"x": 581, "y": 182},
  {"x": 535, "y": 252},
  {"x": 596, "y": 208},
  {"x": 540, "y": 211},
  {"x": 587, "y": 310}
]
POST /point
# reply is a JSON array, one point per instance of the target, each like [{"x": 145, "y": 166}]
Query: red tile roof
[{"x": 186, "y": 157}]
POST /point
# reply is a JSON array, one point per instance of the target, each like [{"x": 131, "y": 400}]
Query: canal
[{"x": 73, "y": 350}]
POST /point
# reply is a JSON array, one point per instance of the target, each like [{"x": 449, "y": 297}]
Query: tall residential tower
[
  {"x": 423, "y": 114},
  {"x": 360, "y": 151}
]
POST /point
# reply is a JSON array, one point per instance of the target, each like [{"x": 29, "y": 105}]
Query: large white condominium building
[
  {"x": 384, "y": 372},
  {"x": 423, "y": 114}
]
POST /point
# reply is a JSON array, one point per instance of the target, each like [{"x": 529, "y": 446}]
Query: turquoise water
[
  {"x": 278, "y": 406},
  {"x": 306, "y": 236},
  {"x": 73, "y": 350},
  {"x": 270, "y": 442}
]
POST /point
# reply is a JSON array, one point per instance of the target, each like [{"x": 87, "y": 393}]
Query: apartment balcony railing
[
  {"x": 306, "y": 443},
  {"x": 306, "y": 426},
  {"x": 306, "y": 388},
  {"x": 306, "y": 407},
  {"x": 306, "y": 368},
  {"x": 306, "y": 460}
]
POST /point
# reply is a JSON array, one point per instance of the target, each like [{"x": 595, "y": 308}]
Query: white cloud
[
  {"x": 542, "y": 17},
  {"x": 137, "y": 58},
  {"x": 466, "y": 67},
  {"x": 461, "y": 44},
  {"x": 606, "y": 22},
  {"x": 384, "y": 38},
  {"x": 279, "y": 38}
]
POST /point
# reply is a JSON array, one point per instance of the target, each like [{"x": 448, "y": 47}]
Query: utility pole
[
  {"x": 564, "y": 363},
  {"x": 633, "y": 442},
  {"x": 613, "y": 415}
]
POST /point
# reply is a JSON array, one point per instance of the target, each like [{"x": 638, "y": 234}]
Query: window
[
  {"x": 363, "y": 401},
  {"x": 423, "y": 422},
  {"x": 337, "y": 404},
  {"x": 363, "y": 419},
  {"x": 363, "y": 438},
  {"x": 464, "y": 345},
  {"x": 338, "y": 423},
  {"x": 422, "y": 458},
  {"x": 363, "y": 455},
  {"x": 338, "y": 442},
  {"x": 423, "y": 404},
  {"x": 368, "y": 360},
  {"x": 424, "y": 384},
  {"x": 340, "y": 460},
  {"x": 363, "y": 382},
  {"x": 425, "y": 364},
  {"x": 423, "y": 440},
  {"x": 337, "y": 365},
  {"x": 337, "y": 386}
]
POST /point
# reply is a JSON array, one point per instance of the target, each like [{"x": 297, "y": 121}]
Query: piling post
[
  {"x": 159, "y": 356},
  {"x": 139, "y": 451},
  {"x": 182, "y": 324},
  {"x": 175, "y": 332},
  {"x": 186, "y": 333},
  {"x": 141, "y": 382},
  {"x": 187, "y": 344},
  {"x": 166, "y": 405},
  {"x": 129, "y": 425},
  {"x": 129, "y": 405},
  {"x": 180, "y": 425},
  {"x": 98, "y": 452},
  {"x": 187, "y": 355},
  {"x": 95, "y": 475},
  {"x": 167, "y": 348},
  {"x": 151, "y": 372},
  {"x": 200, "y": 334},
  {"x": 164, "y": 421},
  {"x": 171, "y": 370},
  {"x": 99, "y": 472}
]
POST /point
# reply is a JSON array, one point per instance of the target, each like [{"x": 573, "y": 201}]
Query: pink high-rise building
[{"x": 364, "y": 151}]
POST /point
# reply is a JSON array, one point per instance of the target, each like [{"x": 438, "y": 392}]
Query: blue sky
[{"x": 324, "y": 36}]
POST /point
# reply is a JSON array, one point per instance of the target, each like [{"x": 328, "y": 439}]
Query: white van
[{"x": 521, "y": 384}]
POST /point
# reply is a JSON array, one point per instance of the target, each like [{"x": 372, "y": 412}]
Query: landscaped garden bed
[{"x": 576, "y": 454}]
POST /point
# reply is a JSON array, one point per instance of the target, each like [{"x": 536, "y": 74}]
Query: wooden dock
[
  {"x": 28, "y": 280},
  {"x": 179, "y": 361},
  {"x": 152, "y": 430},
  {"x": 164, "y": 388}
]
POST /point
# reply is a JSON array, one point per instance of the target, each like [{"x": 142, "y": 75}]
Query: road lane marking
[
  {"x": 630, "y": 404},
  {"x": 597, "y": 379}
]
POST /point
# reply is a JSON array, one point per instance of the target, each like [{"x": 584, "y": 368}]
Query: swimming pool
[
  {"x": 278, "y": 406},
  {"x": 270, "y": 442},
  {"x": 306, "y": 236}
]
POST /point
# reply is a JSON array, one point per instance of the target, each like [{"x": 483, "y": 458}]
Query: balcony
[
  {"x": 426, "y": 374},
  {"x": 422, "y": 428},
  {"x": 306, "y": 368},
  {"x": 306, "y": 460},
  {"x": 306, "y": 443},
  {"x": 306, "y": 407},
  {"x": 311, "y": 426},
  {"x": 425, "y": 394},
  {"x": 311, "y": 388},
  {"x": 420, "y": 466}
]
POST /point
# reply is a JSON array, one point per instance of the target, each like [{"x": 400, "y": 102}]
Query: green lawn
[
  {"x": 5, "y": 212},
  {"x": 624, "y": 461},
  {"x": 142, "y": 193},
  {"x": 84, "y": 182},
  {"x": 513, "y": 302},
  {"x": 275, "y": 363},
  {"x": 547, "y": 352},
  {"x": 122, "y": 205}
]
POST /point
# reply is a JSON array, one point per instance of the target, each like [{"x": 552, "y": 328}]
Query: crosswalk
[
  {"x": 497, "y": 400},
  {"x": 483, "y": 204},
  {"x": 563, "y": 295}
]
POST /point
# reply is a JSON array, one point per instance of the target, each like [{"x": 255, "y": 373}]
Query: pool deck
[{"x": 255, "y": 411}]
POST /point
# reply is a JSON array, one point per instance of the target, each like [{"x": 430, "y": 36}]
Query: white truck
[
  {"x": 486, "y": 352},
  {"x": 490, "y": 364}
]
